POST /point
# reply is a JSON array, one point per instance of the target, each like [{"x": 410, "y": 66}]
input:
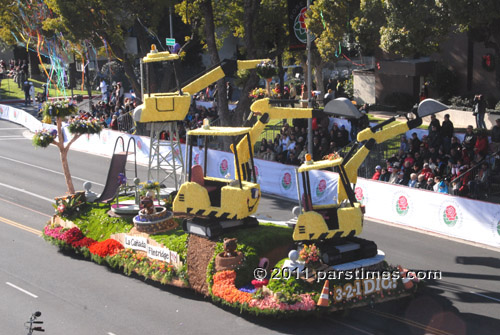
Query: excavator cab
[
  {"x": 333, "y": 221},
  {"x": 163, "y": 107},
  {"x": 213, "y": 204}
]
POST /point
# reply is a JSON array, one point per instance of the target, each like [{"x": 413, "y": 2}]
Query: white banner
[{"x": 460, "y": 217}]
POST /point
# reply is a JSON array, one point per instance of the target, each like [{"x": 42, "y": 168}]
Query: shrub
[
  {"x": 497, "y": 106},
  {"x": 458, "y": 101}
]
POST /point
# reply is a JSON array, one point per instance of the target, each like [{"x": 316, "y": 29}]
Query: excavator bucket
[
  {"x": 342, "y": 107},
  {"x": 430, "y": 106}
]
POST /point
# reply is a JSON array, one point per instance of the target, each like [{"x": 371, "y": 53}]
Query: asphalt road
[{"x": 79, "y": 297}]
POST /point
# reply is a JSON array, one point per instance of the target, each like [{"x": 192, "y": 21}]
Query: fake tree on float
[{"x": 77, "y": 127}]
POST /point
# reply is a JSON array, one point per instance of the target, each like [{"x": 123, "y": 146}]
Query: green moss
[
  {"x": 95, "y": 223},
  {"x": 175, "y": 240}
]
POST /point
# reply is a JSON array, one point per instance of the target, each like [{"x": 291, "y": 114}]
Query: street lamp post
[{"x": 309, "y": 87}]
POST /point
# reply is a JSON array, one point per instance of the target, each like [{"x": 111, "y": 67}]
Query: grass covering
[
  {"x": 175, "y": 240},
  {"x": 10, "y": 91},
  {"x": 95, "y": 223}
]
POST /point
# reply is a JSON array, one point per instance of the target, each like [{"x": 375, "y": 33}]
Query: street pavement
[{"x": 79, "y": 297}]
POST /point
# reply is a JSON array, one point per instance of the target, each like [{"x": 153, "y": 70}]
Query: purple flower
[
  {"x": 122, "y": 179},
  {"x": 53, "y": 132}
]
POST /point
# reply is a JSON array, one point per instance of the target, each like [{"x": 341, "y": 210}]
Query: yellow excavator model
[
  {"x": 335, "y": 227},
  {"x": 174, "y": 106},
  {"x": 214, "y": 204}
]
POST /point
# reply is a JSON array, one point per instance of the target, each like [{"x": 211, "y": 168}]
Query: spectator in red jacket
[
  {"x": 481, "y": 146},
  {"x": 376, "y": 175}
]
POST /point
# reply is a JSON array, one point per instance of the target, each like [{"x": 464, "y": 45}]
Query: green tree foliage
[
  {"x": 260, "y": 25},
  {"x": 328, "y": 21},
  {"x": 367, "y": 23},
  {"x": 414, "y": 28}
]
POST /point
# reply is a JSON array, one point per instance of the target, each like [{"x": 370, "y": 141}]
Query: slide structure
[{"x": 117, "y": 166}]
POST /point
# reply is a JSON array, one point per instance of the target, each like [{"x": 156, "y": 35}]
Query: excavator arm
[
  {"x": 226, "y": 68},
  {"x": 265, "y": 108},
  {"x": 174, "y": 106},
  {"x": 380, "y": 133}
]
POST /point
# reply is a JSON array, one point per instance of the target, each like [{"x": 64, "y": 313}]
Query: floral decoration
[
  {"x": 43, "y": 138},
  {"x": 309, "y": 254},
  {"x": 105, "y": 248},
  {"x": 59, "y": 108},
  {"x": 304, "y": 303},
  {"x": 258, "y": 93},
  {"x": 68, "y": 205},
  {"x": 332, "y": 156},
  {"x": 82, "y": 126},
  {"x": 72, "y": 235},
  {"x": 266, "y": 70},
  {"x": 224, "y": 288}
]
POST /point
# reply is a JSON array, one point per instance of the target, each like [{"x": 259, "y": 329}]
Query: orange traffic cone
[{"x": 324, "y": 298}]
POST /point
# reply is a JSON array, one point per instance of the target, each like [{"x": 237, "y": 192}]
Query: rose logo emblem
[
  {"x": 450, "y": 216},
  {"x": 286, "y": 181},
  {"x": 359, "y": 193},
  {"x": 320, "y": 190},
  {"x": 402, "y": 206},
  {"x": 223, "y": 167}
]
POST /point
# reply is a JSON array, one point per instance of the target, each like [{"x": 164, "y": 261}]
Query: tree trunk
[
  {"x": 64, "y": 157},
  {"x": 209, "y": 29},
  {"x": 317, "y": 64},
  {"x": 250, "y": 8},
  {"x": 128, "y": 68}
]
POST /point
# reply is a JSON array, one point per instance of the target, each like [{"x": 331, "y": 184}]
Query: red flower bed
[
  {"x": 106, "y": 247},
  {"x": 84, "y": 242},
  {"x": 224, "y": 288},
  {"x": 72, "y": 235}
]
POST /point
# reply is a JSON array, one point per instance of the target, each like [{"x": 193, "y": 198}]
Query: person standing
[
  {"x": 32, "y": 92},
  {"x": 447, "y": 130},
  {"x": 104, "y": 90},
  {"x": 495, "y": 137},
  {"x": 26, "y": 89},
  {"x": 479, "y": 111},
  {"x": 434, "y": 122}
]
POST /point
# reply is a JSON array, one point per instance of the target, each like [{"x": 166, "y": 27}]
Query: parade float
[{"x": 212, "y": 244}]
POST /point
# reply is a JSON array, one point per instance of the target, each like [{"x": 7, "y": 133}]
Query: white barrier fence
[{"x": 448, "y": 215}]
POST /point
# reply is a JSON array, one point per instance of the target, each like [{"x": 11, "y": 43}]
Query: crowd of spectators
[
  {"x": 440, "y": 162},
  {"x": 290, "y": 145},
  {"x": 16, "y": 69}
]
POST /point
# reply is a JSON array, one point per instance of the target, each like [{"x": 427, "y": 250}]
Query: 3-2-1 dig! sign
[{"x": 362, "y": 288}]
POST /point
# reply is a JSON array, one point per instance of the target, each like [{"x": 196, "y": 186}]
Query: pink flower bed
[
  {"x": 54, "y": 232},
  {"x": 269, "y": 302}
]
